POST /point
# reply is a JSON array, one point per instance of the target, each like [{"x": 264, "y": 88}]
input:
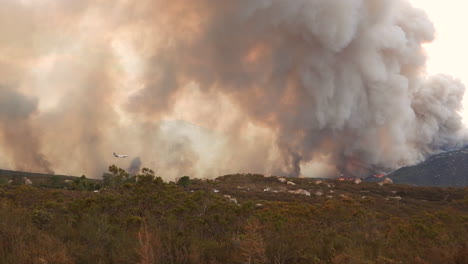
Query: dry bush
[
  {"x": 145, "y": 240},
  {"x": 252, "y": 245},
  {"x": 461, "y": 256},
  {"x": 21, "y": 242}
]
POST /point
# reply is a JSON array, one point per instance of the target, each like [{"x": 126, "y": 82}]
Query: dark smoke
[
  {"x": 260, "y": 86},
  {"x": 135, "y": 166},
  {"x": 17, "y": 134}
]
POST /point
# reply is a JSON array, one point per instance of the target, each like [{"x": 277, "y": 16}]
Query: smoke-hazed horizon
[{"x": 203, "y": 87}]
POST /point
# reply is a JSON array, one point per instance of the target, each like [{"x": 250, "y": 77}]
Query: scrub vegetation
[{"x": 142, "y": 219}]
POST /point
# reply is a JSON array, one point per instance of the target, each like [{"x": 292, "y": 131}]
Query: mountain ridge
[{"x": 446, "y": 169}]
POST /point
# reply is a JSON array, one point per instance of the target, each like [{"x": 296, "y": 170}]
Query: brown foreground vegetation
[{"x": 149, "y": 221}]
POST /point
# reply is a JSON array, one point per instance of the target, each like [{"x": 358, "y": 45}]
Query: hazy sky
[
  {"x": 279, "y": 85},
  {"x": 448, "y": 53}
]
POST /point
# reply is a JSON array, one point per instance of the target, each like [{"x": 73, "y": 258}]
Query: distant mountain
[{"x": 448, "y": 169}]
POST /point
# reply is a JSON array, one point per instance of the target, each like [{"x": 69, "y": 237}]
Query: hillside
[
  {"x": 36, "y": 177},
  {"x": 46, "y": 180},
  {"x": 445, "y": 169},
  {"x": 242, "y": 218}
]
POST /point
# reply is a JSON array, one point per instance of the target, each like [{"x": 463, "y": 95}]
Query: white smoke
[{"x": 271, "y": 85}]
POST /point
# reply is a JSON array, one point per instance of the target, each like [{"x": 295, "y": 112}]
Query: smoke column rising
[
  {"x": 135, "y": 166},
  {"x": 205, "y": 87}
]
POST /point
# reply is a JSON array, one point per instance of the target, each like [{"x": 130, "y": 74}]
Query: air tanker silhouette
[{"x": 120, "y": 156}]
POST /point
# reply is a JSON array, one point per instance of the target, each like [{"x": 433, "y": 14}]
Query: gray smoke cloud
[
  {"x": 17, "y": 136},
  {"x": 135, "y": 166},
  {"x": 204, "y": 87}
]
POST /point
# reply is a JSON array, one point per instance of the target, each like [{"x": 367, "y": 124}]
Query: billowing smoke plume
[
  {"x": 135, "y": 166},
  {"x": 205, "y": 87},
  {"x": 18, "y": 138}
]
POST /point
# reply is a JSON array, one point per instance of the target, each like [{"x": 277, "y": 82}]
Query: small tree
[
  {"x": 54, "y": 182},
  {"x": 184, "y": 181},
  {"x": 115, "y": 177},
  {"x": 82, "y": 184},
  {"x": 148, "y": 176},
  {"x": 252, "y": 245}
]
